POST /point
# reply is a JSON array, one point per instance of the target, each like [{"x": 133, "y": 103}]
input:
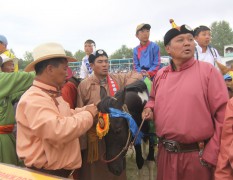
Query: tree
[
  {"x": 163, "y": 52},
  {"x": 68, "y": 53},
  {"x": 123, "y": 52},
  {"x": 79, "y": 55},
  {"x": 222, "y": 34},
  {"x": 22, "y": 64},
  {"x": 27, "y": 59},
  {"x": 28, "y": 56}
]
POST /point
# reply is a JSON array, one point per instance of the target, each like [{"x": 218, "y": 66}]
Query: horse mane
[
  {"x": 119, "y": 98},
  {"x": 137, "y": 86},
  {"x": 104, "y": 104}
]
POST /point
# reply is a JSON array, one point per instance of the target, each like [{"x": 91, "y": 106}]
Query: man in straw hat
[
  {"x": 48, "y": 130},
  {"x": 92, "y": 89},
  {"x": 187, "y": 102},
  {"x": 12, "y": 86}
]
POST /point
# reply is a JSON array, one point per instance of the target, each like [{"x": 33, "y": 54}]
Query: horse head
[
  {"x": 117, "y": 135},
  {"x": 125, "y": 110}
]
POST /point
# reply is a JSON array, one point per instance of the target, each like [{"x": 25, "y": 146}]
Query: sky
[{"x": 110, "y": 23}]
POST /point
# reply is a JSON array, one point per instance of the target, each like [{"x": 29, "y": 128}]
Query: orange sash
[
  {"x": 6, "y": 129},
  {"x": 113, "y": 86}
]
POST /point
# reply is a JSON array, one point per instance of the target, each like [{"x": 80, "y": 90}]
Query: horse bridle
[{"x": 126, "y": 147}]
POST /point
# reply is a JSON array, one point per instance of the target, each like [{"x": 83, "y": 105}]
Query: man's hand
[
  {"x": 147, "y": 114},
  {"x": 145, "y": 73},
  {"x": 92, "y": 109}
]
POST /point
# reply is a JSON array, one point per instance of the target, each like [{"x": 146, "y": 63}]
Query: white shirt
[
  {"x": 84, "y": 72},
  {"x": 207, "y": 56}
]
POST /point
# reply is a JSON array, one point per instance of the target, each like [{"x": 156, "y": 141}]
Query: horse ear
[
  {"x": 120, "y": 96},
  {"x": 222, "y": 68}
]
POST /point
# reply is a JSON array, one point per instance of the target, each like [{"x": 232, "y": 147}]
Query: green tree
[
  {"x": 79, "y": 55},
  {"x": 123, "y": 52},
  {"x": 222, "y": 34},
  {"x": 68, "y": 53},
  {"x": 24, "y": 62},
  {"x": 163, "y": 52},
  {"x": 28, "y": 56}
]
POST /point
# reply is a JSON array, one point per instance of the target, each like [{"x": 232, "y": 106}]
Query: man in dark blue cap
[
  {"x": 91, "y": 90},
  {"x": 187, "y": 103}
]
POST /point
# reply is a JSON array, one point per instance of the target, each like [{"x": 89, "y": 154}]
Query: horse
[{"x": 132, "y": 100}]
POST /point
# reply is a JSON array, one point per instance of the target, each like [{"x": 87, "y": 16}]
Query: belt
[
  {"x": 176, "y": 147},
  {"x": 58, "y": 172},
  {"x": 6, "y": 129}
]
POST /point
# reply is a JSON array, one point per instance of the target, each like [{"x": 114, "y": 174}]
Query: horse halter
[{"x": 126, "y": 147}]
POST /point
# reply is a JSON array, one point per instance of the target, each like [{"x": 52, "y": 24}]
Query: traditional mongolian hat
[
  {"x": 97, "y": 54},
  {"x": 175, "y": 31},
  {"x": 47, "y": 51}
]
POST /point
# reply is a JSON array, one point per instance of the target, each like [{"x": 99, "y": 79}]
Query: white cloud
[{"x": 109, "y": 23}]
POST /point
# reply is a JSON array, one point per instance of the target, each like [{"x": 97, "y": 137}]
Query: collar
[
  {"x": 144, "y": 46},
  {"x": 186, "y": 65},
  {"x": 97, "y": 80},
  {"x": 46, "y": 87},
  {"x": 199, "y": 49},
  {"x": 103, "y": 81}
]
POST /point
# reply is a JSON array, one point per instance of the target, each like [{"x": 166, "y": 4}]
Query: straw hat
[{"x": 47, "y": 51}]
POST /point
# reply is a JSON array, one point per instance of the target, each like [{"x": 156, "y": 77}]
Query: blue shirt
[{"x": 147, "y": 58}]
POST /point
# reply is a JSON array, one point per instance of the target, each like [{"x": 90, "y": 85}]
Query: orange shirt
[
  {"x": 224, "y": 169},
  {"x": 47, "y": 134},
  {"x": 69, "y": 94}
]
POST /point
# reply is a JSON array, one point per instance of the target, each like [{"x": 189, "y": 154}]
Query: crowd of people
[{"x": 56, "y": 113}]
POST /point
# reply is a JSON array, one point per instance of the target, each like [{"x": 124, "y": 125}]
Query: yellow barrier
[{"x": 10, "y": 172}]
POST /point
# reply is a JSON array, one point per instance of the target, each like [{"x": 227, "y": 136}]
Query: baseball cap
[{"x": 142, "y": 26}]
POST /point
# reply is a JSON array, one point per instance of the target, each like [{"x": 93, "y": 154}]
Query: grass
[{"x": 132, "y": 170}]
